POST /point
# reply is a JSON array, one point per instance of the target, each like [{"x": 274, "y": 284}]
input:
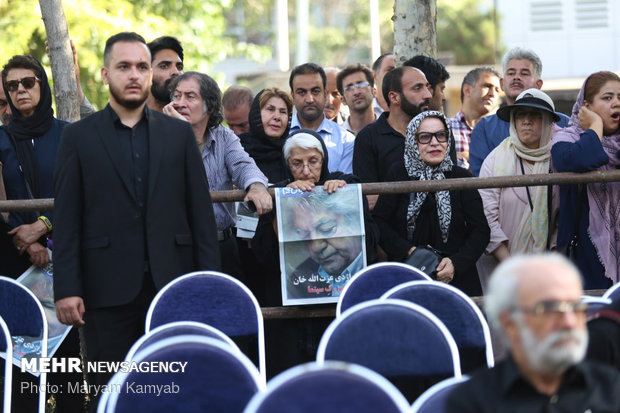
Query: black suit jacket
[{"x": 99, "y": 232}]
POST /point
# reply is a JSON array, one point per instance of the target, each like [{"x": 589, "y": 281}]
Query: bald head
[{"x": 521, "y": 280}]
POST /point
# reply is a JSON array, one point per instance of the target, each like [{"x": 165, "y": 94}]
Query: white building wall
[{"x": 572, "y": 37}]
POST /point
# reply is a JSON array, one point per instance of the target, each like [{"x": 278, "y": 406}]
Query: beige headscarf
[{"x": 534, "y": 226}]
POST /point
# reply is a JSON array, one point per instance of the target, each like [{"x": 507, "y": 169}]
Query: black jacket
[
  {"x": 102, "y": 244},
  {"x": 469, "y": 230}
]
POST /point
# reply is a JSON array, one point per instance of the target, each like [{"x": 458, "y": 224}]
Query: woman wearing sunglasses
[
  {"x": 452, "y": 222},
  {"x": 27, "y": 151},
  {"x": 522, "y": 220}
]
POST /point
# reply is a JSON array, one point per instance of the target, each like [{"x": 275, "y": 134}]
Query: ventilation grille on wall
[
  {"x": 546, "y": 15},
  {"x": 591, "y": 14}
]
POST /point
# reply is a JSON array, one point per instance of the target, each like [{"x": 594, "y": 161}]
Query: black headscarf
[
  {"x": 266, "y": 151},
  {"x": 23, "y": 129}
]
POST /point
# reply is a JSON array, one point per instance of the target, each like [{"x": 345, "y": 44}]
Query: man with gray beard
[{"x": 535, "y": 301}]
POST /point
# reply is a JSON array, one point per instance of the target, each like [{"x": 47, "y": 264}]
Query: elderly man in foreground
[{"x": 536, "y": 303}]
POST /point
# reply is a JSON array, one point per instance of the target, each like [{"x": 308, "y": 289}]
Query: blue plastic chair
[
  {"x": 215, "y": 299},
  {"x": 402, "y": 341},
  {"x": 434, "y": 399},
  {"x": 371, "y": 282},
  {"x": 595, "y": 303},
  {"x": 329, "y": 387},
  {"x": 458, "y": 312},
  {"x": 178, "y": 328},
  {"x": 216, "y": 379},
  {"x": 24, "y": 316},
  {"x": 613, "y": 292},
  {"x": 6, "y": 346}
]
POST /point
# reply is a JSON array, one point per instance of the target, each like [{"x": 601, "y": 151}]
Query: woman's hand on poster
[
  {"x": 302, "y": 185},
  {"x": 38, "y": 254},
  {"x": 333, "y": 185},
  {"x": 445, "y": 270}
]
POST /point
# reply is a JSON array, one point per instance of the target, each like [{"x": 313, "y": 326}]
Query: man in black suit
[{"x": 133, "y": 209}]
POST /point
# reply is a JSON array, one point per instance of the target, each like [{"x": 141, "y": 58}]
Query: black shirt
[
  {"x": 135, "y": 145},
  {"x": 586, "y": 387},
  {"x": 377, "y": 147}
]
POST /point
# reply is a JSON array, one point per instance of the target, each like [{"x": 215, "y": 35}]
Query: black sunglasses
[
  {"x": 425, "y": 137},
  {"x": 27, "y": 82}
]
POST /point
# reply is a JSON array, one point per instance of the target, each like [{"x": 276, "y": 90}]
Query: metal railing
[{"x": 377, "y": 189}]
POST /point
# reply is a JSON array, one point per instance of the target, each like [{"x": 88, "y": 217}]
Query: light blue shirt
[{"x": 339, "y": 143}]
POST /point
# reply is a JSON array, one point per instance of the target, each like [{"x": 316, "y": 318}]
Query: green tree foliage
[
  {"x": 466, "y": 28},
  {"x": 198, "y": 24}
]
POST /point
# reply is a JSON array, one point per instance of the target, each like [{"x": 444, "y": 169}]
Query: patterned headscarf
[{"x": 418, "y": 169}]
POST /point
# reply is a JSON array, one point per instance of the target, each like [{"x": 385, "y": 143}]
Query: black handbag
[{"x": 426, "y": 259}]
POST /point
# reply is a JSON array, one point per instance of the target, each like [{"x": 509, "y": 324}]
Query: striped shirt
[{"x": 227, "y": 163}]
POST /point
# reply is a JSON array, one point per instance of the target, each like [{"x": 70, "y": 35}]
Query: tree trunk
[
  {"x": 414, "y": 29},
  {"x": 61, "y": 58}
]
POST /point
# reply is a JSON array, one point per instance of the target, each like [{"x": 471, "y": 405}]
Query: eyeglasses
[
  {"x": 311, "y": 164},
  {"x": 359, "y": 85},
  {"x": 426, "y": 137},
  {"x": 27, "y": 82},
  {"x": 556, "y": 308}
]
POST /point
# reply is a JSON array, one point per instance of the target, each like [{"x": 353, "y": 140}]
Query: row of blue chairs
[
  {"x": 234, "y": 314},
  {"x": 219, "y": 377}
]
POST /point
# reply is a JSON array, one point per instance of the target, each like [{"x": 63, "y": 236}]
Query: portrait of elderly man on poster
[{"x": 321, "y": 242}]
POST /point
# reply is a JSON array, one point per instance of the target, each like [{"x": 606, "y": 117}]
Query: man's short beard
[
  {"x": 161, "y": 92},
  {"x": 410, "y": 108},
  {"x": 310, "y": 117},
  {"x": 128, "y": 104},
  {"x": 362, "y": 108},
  {"x": 547, "y": 358}
]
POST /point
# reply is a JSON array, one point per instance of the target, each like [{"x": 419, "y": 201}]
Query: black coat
[
  {"x": 468, "y": 234},
  {"x": 99, "y": 233}
]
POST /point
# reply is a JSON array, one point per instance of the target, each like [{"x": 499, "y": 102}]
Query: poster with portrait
[
  {"x": 41, "y": 282},
  {"x": 322, "y": 242}
]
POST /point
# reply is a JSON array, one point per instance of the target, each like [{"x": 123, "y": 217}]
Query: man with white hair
[
  {"x": 535, "y": 302},
  {"x": 522, "y": 71}
]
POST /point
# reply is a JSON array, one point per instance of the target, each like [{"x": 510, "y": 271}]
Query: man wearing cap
[
  {"x": 519, "y": 216},
  {"x": 535, "y": 303}
]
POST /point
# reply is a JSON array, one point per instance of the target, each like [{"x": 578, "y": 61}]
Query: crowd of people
[{"x": 131, "y": 182}]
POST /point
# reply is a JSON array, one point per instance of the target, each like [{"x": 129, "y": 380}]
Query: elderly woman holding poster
[
  {"x": 305, "y": 155},
  {"x": 291, "y": 342}
]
